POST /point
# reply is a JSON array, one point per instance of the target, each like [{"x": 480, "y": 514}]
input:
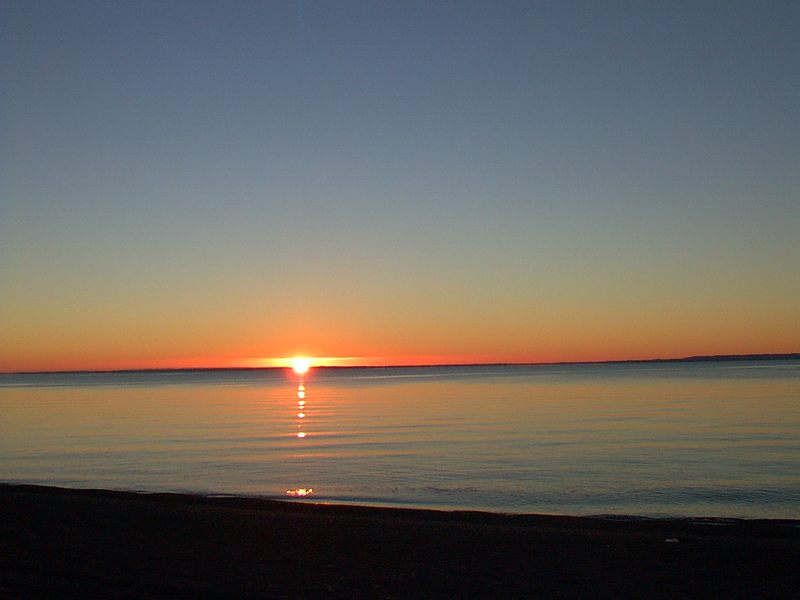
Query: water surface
[{"x": 657, "y": 439}]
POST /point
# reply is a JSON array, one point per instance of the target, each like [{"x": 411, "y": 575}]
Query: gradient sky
[{"x": 218, "y": 183}]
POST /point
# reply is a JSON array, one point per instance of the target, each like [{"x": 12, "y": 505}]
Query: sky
[{"x": 226, "y": 183}]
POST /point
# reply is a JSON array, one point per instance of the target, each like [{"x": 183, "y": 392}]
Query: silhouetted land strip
[
  {"x": 81, "y": 543},
  {"x": 685, "y": 359}
]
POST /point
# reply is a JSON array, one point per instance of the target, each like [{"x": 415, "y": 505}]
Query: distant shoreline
[{"x": 685, "y": 359}]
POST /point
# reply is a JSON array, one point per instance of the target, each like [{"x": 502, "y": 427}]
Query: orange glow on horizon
[
  {"x": 593, "y": 353},
  {"x": 289, "y": 361}
]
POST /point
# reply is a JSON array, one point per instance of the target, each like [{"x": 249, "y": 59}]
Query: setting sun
[{"x": 301, "y": 364}]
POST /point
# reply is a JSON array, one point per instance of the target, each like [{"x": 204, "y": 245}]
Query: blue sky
[{"x": 507, "y": 167}]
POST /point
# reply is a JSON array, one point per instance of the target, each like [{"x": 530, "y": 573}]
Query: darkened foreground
[{"x": 77, "y": 543}]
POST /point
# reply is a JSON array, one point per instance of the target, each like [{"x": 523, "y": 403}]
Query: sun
[{"x": 301, "y": 364}]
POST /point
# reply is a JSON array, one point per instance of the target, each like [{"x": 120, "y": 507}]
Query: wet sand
[{"x": 74, "y": 543}]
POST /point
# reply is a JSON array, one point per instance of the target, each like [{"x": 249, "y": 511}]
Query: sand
[{"x": 78, "y": 543}]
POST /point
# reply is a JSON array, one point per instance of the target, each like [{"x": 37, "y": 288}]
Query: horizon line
[{"x": 691, "y": 358}]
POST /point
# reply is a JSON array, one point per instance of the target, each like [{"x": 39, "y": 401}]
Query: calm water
[{"x": 691, "y": 439}]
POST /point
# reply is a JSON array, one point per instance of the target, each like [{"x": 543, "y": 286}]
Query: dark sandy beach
[{"x": 79, "y": 543}]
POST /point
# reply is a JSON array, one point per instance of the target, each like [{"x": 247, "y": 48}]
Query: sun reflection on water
[
  {"x": 301, "y": 408},
  {"x": 301, "y": 421}
]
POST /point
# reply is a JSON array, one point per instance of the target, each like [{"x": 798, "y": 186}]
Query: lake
[{"x": 715, "y": 438}]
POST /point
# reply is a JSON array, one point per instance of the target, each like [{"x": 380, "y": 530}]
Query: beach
[{"x": 71, "y": 543}]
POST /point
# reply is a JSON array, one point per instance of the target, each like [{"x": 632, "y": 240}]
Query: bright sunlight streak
[{"x": 301, "y": 364}]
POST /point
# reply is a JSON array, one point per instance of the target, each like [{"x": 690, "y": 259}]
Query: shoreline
[
  {"x": 455, "y": 512},
  {"x": 68, "y": 542}
]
